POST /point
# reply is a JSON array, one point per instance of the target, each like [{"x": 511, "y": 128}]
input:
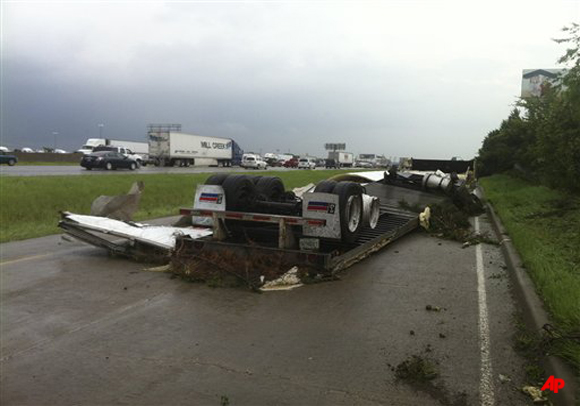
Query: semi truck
[
  {"x": 339, "y": 159},
  {"x": 175, "y": 148}
]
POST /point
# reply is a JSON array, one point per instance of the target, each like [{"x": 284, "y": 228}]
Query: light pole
[
  {"x": 101, "y": 130},
  {"x": 54, "y": 134}
]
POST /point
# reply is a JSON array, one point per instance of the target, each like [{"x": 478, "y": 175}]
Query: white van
[
  {"x": 253, "y": 161},
  {"x": 307, "y": 163}
]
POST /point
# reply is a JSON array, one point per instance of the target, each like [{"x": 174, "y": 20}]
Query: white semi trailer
[
  {"x": 174, "y": 148},
  {"x": 141, "y": 148}
]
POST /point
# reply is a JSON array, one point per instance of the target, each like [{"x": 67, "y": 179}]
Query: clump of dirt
[
  {"x": 449, "y": 222},
  {"x": 415, "y": 208},
  {"x": 416, "y": 369},
  {"x": 229, "y": 269},
  {"x": 420, "y": 373}
]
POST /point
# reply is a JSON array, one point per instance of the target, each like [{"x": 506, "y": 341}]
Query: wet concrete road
[
  {"x": 64, "y": 170},
  {"x": 79, "y": 327}
]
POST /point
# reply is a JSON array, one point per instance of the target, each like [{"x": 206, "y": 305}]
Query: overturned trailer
[
  {"x": 253, "y": 228},
  {"x": 261, "y": 231}
]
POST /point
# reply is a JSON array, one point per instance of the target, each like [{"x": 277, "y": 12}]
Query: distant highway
[{"x": 66, "y": 170}]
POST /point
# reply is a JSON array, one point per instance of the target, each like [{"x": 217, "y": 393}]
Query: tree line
[{"x": 541, "y": 136}]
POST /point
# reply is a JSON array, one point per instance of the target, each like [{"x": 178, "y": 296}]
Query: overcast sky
[{"x": 427, "y": 79}]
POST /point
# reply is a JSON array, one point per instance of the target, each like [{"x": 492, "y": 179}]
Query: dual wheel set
[{"x": 253, "y": 193}]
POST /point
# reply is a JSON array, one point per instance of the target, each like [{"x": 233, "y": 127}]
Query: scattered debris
[
  {"x": 162, "y": 237},
  {"x": 120, "y": 207},
  {"x": 433, "y": 308},
  {"x": 162, "y": 268},
  {"x": 504, "y": 378},
  {"x": 289, "y": 280},
  {"x": 424, "y": 218},
  {"x": 416, "y": 369},
  {"x": 421, "y": 373},
  {"x": 535, "y": 393},
  {"x": 441, "y": 335}
]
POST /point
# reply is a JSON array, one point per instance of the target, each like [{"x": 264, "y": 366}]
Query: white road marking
[{"x": 486, "y": 393}]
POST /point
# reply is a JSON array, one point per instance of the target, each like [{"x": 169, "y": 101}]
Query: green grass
[
  {"x": 29, "y": 206},
  {"x": 544, "y": 225}
]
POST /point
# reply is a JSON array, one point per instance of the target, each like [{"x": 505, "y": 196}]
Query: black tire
[
  {"x": 271, "y": 188},
  {"x": 349, "y": 200},
  {"x": 139, "y": 164},
  {"x": 326, "y": 186},
  {"x": 11, "y": 162},
  {"x": 217, "y": 179},
  {"x": 240, "y": 193},
  {"x": 256, "y": 179},
  {"x": 133, "y": 166},
  {"x": 109, "y": 166}
]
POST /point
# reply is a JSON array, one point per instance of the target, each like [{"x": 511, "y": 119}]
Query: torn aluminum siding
[{"x": 158, "y": 236}]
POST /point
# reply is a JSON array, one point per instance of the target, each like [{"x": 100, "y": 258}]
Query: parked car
[
  {"x": 4, "y": 149},
  {"x": 291, "y": 163},
  {"x": 108, "y": 160},
  {"x": 307, "y": 163},
  {"x": 27, "y": 150},
  {"x": 7, "y": 158}
]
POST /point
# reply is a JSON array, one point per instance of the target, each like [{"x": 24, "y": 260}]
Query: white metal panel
[
  {"x": 322, "y": 206},
  {"x": 160, "y": 236}
]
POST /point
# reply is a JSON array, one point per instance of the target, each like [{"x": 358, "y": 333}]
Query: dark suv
[{"x": 6, "y": 158}]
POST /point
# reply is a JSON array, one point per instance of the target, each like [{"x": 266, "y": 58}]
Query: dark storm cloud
[{"x": 270, "y": 76}]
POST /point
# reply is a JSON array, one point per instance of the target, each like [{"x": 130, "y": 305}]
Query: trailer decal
[
  {"x": 211, "y": 197},
  {"x": 321, "y": 206}
]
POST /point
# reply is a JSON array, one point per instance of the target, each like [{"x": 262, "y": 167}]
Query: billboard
[
  {"x": 536, "y": 81},
  {"x": 335, "y": 147}
]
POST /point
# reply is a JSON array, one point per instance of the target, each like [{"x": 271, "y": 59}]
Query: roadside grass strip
[
  {"x": 30, "y": 205},
  {"x": 544, "y": 225}
]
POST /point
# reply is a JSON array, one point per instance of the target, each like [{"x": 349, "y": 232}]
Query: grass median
[
  {"x": 544, "y": 225},
  {"x": 30, "y": 206}
]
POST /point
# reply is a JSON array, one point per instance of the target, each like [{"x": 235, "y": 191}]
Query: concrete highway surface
[
  {"x": 82, "y": 328},
  {"x": 65, "y": 170}
]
